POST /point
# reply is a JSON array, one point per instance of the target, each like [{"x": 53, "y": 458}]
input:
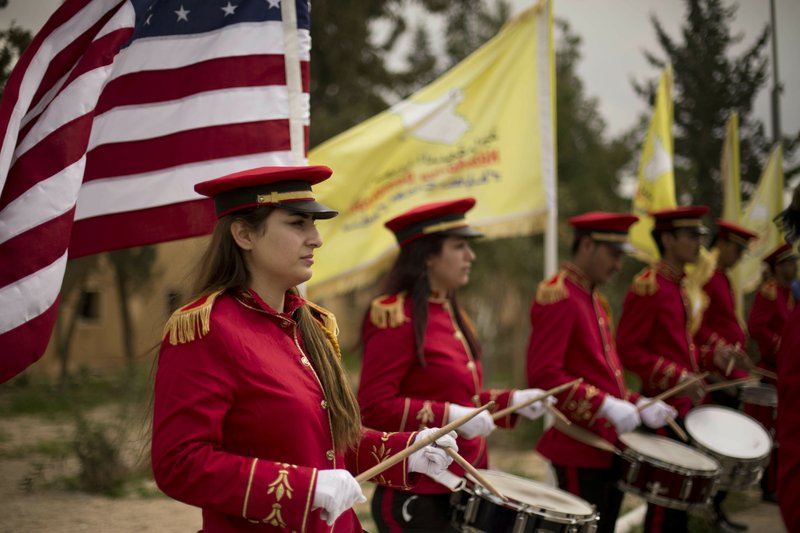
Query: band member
[
  {"x": 772, "y": 305},
  {"x": 789, "y": 390},
  {"x": 721, "y": 326},
  {"x": 654, "y": 338},
  {"x": 571, "y": 336},
  {"x": 422, "y": 359},
  {"x": 254, "y": 420}
]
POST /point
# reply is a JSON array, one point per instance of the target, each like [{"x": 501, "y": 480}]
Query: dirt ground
[{"x": 33, "y": 500}]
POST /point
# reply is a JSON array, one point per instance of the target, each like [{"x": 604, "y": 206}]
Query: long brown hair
[
  {"x": 410, "y": 274},
  {"x": 223, "y": 266}
]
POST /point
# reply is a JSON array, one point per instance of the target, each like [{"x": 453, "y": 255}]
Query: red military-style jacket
[
  {"x": 571, "y": 337},
  {"x": 398, "y": 393},
  {"x": 719, "y": 324},
  {"x": 771, "y": 309},
  {"x": 789, "y": 427},
  {"x": 241, "y": 425},
  {"x": 654, "y": 338}
]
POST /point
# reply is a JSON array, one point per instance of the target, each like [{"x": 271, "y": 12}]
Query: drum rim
[{"x": 544, "y": 512}]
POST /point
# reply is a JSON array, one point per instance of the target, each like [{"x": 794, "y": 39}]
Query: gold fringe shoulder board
[
  {"x": 552, "y": 290},
  {"x": 645, "y": 282},
  {"x": 388, "y": 311},
  {"x": 324, "y": 317},
  {"x": 192, "y": 321}
]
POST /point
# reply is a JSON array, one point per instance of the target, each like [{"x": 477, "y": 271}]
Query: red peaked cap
[
  {"x": 286, "y": 187},
  {"x": 734, "y": 233},
  {"x": 684, "y": 217},
  {"x": 443, "y": 218},
  {"x": 608, "y": 228},
  {"x": 781, "y": 253}
]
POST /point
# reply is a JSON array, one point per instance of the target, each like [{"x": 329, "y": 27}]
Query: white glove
[
  {"x": 621, "y": 413},
  {"x": 432, "y": 460},
  {"x": 480, "y": 426},
  {"x": 336, "y": 492},
  {"x": 534, "y": 410},
  {"x": 655, "y": 416}
]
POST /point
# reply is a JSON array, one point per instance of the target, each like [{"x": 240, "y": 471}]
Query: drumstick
[
  {"x": 676, "y": 428},
  {"x": 555, "y": 390},
  {"x": 732, "y": 383},
  {"x": 419, "y": 444},
  {"x": 558, "y": 414},
  {"x": 674, "y": 390},
  {"x": 471, "y": 470},
  {"x": 730, "y": 366},
  {"x": 766, "y": 373},
  {"x": 586, "y": 437}
]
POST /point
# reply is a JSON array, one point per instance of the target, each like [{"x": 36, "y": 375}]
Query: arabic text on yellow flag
[
  {"x": 656, "y": 185},
  {"x": 763, "y": 207},
  {"x": 484, "y": 129}
]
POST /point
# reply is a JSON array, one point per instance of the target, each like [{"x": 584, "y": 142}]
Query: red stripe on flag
[
  {"x": 143, "y": 227},
  {"x": 29, "y": 342},
  {"x": 51, "y": 240},
  {"x": 58, "y": 150},
  {"x": 202, "y": 144},
  {"x": 212, "y": 75}
]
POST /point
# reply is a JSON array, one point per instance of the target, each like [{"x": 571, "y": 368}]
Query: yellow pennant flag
[
  {"x": 729, "y": 176},
  {"x": 764, "y": 205},
  {"x": 656, "y": 185},
  {"x": 484, "y": 129}
]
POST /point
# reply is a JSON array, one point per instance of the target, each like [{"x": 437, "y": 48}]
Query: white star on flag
[
  {"x": 274, "y": 3},
  {"x": 660, "y": 162},
  {"x": 229, "y": 9},
  {"x": 183, "y": 14}
]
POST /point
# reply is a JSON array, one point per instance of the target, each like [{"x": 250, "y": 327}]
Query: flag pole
[{"x": 549, "y": 159}]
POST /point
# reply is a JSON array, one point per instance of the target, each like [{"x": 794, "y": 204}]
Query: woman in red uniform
[
  {"x": 254, "y": 421},
  {"x": 422, "y": 359}
]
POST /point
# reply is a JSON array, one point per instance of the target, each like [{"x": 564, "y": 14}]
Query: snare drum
[
  {"x": 531, "y": 507},
  {"x": 740, "y": 444},
  {"x": 760, "y": 400},
  {"x": 666, "y": 472}
]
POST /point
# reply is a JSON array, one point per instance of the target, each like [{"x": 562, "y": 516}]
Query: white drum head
[
  {"x": 537, "y": 494},
  {"x": 668, "y": 451},
  {"x": 728, "y": 432}
]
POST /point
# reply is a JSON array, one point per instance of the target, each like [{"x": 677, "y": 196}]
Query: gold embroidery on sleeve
[
  {"x": 281, "y": 485},
  {"x": 382, "y": 452},
  {"x": 425, "y": 415},
  {"x": 274, "y": 518},
  {"x": 247, "y": 491}
]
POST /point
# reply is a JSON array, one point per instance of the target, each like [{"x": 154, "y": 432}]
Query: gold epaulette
[
  {"x": 191, "y": 321},
  {"x": 769, "y": 290},
  {"x": 388, "y": 311},
  {"x": 327, "y": 322},
  {"x": 645, "y": 283},
  {"x": 552, "y": 290}
]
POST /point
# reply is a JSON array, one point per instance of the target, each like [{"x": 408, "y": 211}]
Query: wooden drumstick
[
  {"x": 471, "y": 470},
  {"x": 732, "y": 383},
  {"x": 555, "y": 390},
  {"x": 419, "y": 444},
  {"x": 676, "y": 428},
  {"x": 558, "y": 414},
  {"x": 730, "y": 366},
  {"x": 673, "y": 391},
  {"x": 585, "y": 436},
  {"x": 762, "y": 372}
]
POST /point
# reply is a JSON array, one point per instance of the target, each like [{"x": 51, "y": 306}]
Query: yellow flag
[
  {"x": 764, "y": 205},
  {"x": 656, "y": 186},
  {"x": 484, "y": 129},
  {"x": 731, "y": 194}
]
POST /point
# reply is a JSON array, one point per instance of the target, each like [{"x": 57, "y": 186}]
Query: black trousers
[
  {"x": 396, "y": 510},
  {"x": 598, "y": 487}
]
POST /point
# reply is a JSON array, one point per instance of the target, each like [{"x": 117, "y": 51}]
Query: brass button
[
  {"x": 600, "y": 321},
  {"x": 476, "y": 400},
  {"x": 330, "y": 455},
  {"x": 458, "y": 335},
  {"x": 324, "y": 404},
  {"x": 471, "y": 365},
  {"x": 305, "y": 361}
]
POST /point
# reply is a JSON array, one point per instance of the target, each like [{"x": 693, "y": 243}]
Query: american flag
[{"x": 110, "y": 117}]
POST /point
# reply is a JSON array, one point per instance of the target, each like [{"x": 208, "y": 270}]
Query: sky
[{"x": 615, "y": 34}]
